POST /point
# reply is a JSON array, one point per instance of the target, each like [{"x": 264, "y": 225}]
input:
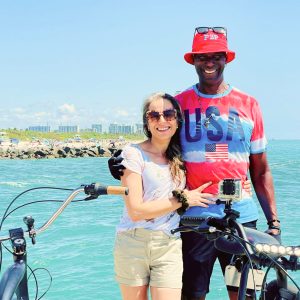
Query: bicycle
[
  {"x": 15, "y": 281},
  {"x": 253, "y": 250}
]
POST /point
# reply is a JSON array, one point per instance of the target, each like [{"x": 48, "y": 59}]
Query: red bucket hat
[{"x": 207, "y": 43}]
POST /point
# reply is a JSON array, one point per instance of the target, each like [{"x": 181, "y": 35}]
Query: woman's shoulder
[
  {"x": 132, "y": 150},
  {"x": 133, "y": 158}
]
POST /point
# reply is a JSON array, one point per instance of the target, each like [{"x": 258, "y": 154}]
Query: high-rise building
[
  {"x": 120, "y": 129},
  {"x": 39, "y": 128},
  {"x": 67, "y": 128},
  {"x": 97, "y": 128},
  {"x": 139, "y": 128}
]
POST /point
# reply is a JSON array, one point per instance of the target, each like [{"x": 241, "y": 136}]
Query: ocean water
[{"x": 77, "y": 248}]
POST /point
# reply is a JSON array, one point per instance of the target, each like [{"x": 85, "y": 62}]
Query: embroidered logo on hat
[{"x": 210, "y": 36}]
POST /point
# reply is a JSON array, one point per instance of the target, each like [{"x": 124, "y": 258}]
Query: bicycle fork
[{"x": 14, "y": 280}]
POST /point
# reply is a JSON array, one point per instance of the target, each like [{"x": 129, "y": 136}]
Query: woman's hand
[
  {"x": 197, "y": 198},
  {"x": 247, "y": 187}
]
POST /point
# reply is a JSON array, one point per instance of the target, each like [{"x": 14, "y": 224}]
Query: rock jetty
[{"x": 33, "y": 151}]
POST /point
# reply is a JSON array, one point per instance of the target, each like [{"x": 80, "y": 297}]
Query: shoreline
[{"x": 58, "y": 149}]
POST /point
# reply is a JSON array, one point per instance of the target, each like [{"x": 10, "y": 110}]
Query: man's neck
[{"x": 212, "y": 89}]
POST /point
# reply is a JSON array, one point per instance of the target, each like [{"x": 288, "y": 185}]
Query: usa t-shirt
[{"x": 218, "y": 135}]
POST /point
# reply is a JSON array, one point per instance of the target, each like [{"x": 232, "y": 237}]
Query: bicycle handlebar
[{"x": 93, "y": 190}]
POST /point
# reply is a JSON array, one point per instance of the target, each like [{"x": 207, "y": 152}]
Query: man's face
[{"x": 210, "y": 66}]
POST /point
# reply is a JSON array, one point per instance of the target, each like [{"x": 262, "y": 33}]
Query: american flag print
[{"x": 216, "y": 151}]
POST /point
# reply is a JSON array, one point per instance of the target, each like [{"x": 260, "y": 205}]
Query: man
[{"x": 222, "y": 137}]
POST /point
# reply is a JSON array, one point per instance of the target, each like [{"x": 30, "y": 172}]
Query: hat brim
[{"x": 188, "y": 57}]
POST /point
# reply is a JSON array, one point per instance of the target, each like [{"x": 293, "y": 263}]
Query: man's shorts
[
  {"x": 199, "y": 256},
  {"x": 147, "y": 257}
]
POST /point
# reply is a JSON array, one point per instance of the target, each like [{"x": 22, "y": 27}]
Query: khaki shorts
[{"x": 147, "y": 257}]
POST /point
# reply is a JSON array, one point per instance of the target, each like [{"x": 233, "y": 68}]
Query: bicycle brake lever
[
  {"x": 29, "y": 221},
  {"x": 181, "y": 229}
]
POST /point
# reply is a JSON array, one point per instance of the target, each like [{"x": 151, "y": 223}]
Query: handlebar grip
[
  {"x": 192, "y": 220},
  {"x": 96, "y": 189},
  {"x": 117, "y": 190}
]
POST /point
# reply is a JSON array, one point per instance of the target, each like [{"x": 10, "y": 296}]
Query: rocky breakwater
[{"x": 29, "y": 151}]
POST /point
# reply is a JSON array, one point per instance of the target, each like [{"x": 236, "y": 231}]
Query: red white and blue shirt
[{"x": 218, "y": 135}]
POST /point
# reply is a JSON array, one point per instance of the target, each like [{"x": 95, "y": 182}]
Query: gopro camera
[{"x": 230, "y": 189}]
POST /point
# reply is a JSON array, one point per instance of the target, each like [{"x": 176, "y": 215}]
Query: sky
[{"x": 83, "y": 62}]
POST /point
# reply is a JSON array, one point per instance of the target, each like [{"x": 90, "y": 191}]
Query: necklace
[{"x": 222, "y": 89}]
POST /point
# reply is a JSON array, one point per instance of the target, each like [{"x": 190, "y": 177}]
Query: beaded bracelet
[
  {"x": 181, "y": 198},
  {"x": 271, "y": 226},
  {"x": 275, "y": 227}
]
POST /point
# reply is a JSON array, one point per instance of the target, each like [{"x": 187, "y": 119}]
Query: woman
[{"x": 146, "y": 253}]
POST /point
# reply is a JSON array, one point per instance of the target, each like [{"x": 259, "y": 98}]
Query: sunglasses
[
  {"x": 203, "y": 30},
  {"x": 168, "y": 114},
  {"x": 207, "y": 57}
]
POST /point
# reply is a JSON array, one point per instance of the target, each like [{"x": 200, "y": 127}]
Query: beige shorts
[{"x": 147, "y": 257}]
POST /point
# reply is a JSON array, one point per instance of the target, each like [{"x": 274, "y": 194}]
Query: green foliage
[{"x": 27, "y": 135}]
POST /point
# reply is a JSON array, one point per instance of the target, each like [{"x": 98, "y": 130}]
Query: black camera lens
[{"x": 228, "y": 187}]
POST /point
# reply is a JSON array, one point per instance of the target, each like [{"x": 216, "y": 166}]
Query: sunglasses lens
[
  {"x": 153, "y": 115},
  {"x": 202, "y": 29},
  {"x": 169, "y": 114},
  {"x": 221, "y": 30}
]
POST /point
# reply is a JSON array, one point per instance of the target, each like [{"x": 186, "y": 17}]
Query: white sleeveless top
[{"x": 157, "y": 184}]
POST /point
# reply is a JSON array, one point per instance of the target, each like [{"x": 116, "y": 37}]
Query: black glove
[{"x": 115, "y": 166}]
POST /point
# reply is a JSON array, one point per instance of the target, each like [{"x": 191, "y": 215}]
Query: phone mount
[{"x": 229, "y": 212}]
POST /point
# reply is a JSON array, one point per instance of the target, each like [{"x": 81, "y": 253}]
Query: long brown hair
[{"x": 173, "y": 152}]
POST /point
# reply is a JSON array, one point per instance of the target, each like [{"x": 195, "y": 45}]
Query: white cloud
[
  {"x": 121, "y": 113},
  {"x": 42, "y": 114},
  {"x": 67, "y": 108},
  {"x": 67, "y": 114},
  {"x": 18, "y": 110}
]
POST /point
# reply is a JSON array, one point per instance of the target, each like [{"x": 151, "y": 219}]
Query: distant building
[
  {"x": 67, "y": 128},
  {"x": 97, "y": 128},
  {"x": 139, "y": 128},
  {"x": 39, "y": 128},
  {"x": 120, "y": 129},
  {"x": 86, "y": 130},
  {"x": 113, "y": 128}
]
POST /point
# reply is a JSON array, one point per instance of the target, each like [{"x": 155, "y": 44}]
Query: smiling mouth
[
  {"x": 163, "y": 129},
  {"x": 210, "y": 71}
]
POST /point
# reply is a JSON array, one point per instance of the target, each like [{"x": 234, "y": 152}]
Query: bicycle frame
[
  {"x": 14, "y": 280},
  {"x": 250, "y": 256},
  {"x": 244, "y": 233},
  {"x": 242, "y": 244}
]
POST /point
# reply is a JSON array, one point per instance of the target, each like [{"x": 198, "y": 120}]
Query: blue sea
[{"x": 77, "y": 249}]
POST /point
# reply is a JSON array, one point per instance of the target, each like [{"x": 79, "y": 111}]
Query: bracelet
[
  {"x": 272, "y": 221},
  {"x": 271, "y": 226},
  {"x": 275, "y": 227},
  {"x": 181, "y": 198}
]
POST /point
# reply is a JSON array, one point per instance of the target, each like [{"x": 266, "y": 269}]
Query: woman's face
[{"x": 161, "y": 118}]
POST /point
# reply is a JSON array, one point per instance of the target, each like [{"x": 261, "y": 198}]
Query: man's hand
[
  {"x": 274, "y": 230},
  {"x": 115, "y": 166}
]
